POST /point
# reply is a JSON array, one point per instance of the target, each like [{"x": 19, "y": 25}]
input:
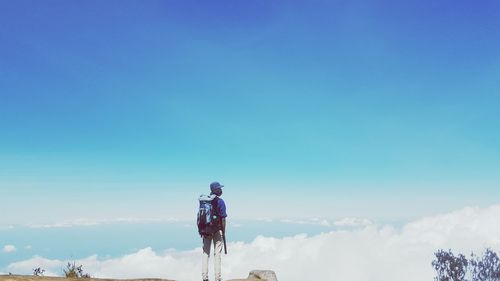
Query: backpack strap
[{"x": 215, "y": 205}]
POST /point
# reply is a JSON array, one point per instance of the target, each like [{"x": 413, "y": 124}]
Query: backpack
[{"x": 208, "y": 221}]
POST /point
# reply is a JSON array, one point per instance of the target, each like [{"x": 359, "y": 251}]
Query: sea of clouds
[{"x": 368, "y": 252}]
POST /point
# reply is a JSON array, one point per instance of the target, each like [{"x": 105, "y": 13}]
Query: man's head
[{"x": 216, "y": 188}]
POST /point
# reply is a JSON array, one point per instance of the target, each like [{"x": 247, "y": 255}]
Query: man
[{"x": 216, "y": 237}]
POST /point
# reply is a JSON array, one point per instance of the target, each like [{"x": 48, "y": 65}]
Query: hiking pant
[{"x": 207, "y": 245}]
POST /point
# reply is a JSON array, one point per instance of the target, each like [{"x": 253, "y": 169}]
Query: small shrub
[
  {"x": 36, "y": 271},
  {"x": 73, "y": 271},
  {"x": 458, "y": 268},
  {"x": 450, "y": 267},
  {"x": 486, "y": 268}
]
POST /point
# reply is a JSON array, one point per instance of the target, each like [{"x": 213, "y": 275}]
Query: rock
[
  {"x": 259, "y": 275},
  {"x": 268, "y": 275}
]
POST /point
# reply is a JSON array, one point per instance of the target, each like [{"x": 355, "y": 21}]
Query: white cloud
[
  {"x": 10, "y": 226},
  {"x": 65, "y": 224},
  {"x": 144, "y": 220},
  {"x": 311, "y": 221},
  {"x": 374, "y": 252},
  {"x": 352, "y": 222},
  {"x": 93, "y": 222},
  {"x": 51, "y": 267},
  {"x": 9, "y": 248},
  {"x": 345, "y": 222}
]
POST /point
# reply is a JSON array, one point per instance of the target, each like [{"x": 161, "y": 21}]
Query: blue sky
[{"x": 379, "y": 109}]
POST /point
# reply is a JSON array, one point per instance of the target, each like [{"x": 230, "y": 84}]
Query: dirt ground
[{"x": 47, "y": 278}]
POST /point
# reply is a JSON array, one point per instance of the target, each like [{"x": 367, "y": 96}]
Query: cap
[{"x": 215, "y": 185}]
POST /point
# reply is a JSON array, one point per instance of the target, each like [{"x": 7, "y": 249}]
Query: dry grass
[{"x": 50, "y": 278}]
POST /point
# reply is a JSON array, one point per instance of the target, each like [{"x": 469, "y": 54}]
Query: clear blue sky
[{"x": 131, "y": 108}]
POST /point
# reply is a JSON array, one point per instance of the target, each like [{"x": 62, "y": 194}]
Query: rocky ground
[
  {"x": 43, "y": 278},
  {"x": 255, "y": 275},
  {"x": 47, "y": 278}
]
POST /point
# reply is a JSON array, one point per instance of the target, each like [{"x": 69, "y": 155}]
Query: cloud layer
[
  {"x": 372, "y": 252},
  {"x": 93, "y": 222},
  {"x": 9, "y": 248}
]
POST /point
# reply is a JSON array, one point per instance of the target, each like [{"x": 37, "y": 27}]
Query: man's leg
[
  {"x": 217, "y": 254},
  {"x": 207, "y": 243}
]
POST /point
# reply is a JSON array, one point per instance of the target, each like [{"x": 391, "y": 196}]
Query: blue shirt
[{"x": 221, "y": 208}]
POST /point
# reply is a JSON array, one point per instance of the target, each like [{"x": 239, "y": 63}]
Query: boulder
[
  {"x": 268, "y": 275},
  {"x": 259, "y": 275}
]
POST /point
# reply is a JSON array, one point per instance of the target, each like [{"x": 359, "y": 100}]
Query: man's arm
[
  {"x": 222, "y": 213},
  {"x": 223, "y": 225}
]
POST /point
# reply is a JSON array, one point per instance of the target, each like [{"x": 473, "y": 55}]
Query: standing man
[{"x": 216, "y": 238}]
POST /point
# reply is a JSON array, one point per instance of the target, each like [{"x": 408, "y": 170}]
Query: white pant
[{"x": 207, "y": 245}]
